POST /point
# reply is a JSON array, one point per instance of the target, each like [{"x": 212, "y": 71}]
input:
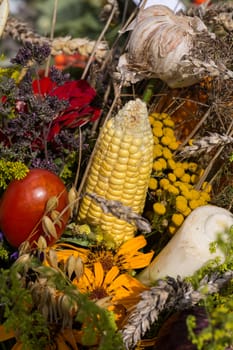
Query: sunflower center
[
  {"x": 98, "y": 293},
  {"x": 106, "y": 259}
]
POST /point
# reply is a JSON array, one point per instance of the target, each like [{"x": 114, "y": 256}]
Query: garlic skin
[
  {"x": 4, "y": 10},
  {"x": 161, "y": 46},
  {"x": 189, "y": 250}
]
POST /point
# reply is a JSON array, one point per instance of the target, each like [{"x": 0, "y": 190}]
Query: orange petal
[
  {"x": 132, "y": 245},
  {"x": 110, "y": 276},
  {"x": 99, "y": 274},
  {"x": 4, "y": 335}
]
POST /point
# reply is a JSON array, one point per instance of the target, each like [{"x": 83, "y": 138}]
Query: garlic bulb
[
  {"x": 4, "y": 10},
  {"x": 189, "y": 249},
  {"x": 162, "y": 44}
]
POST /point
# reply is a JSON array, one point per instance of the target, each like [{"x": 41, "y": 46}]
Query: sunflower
[
  {"x": 127, "y": 257},
  {"x": 115, "y": 290}
]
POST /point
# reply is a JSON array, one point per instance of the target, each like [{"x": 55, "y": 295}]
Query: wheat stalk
[
  {"x": 205, "y": 144},
  {"x": 20, "y": 31},
  {"x": 168, "y": 294}
]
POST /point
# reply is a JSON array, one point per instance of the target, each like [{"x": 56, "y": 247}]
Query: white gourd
[{"x": 189, "y": 249}]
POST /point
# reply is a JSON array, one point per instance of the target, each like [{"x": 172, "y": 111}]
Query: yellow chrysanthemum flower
[
  {"x": 179, "y": 172},
  {"x": 177, "y": 219},
  {"x": 157, "y": 166},
  {"x": 173, "y": 190},
  {"x": 172, "y": 229},
  {"x": 206, "y": 187},
  {"x": 164, "y": 183},
  {"x": 169, "y": 122},
  {"x": 169, "y": 132},
  {"x": 168, "y": 155},
  {"x": 193, "y": 167},
  {"x": 159, "y": 208},
  {"x": 157, "y": 131},
  {"x": 194, "y": 203},
  {"x": 165, "y": 140},
  {"x": 157, "y": 151},
  {"x": 181, "y": 204},
  {"x": 171, "y": 162},
  {"x": 173, "y": 145},
  {"x": 153, "y": 183},
  {"x": 171, "y": 177},
  {"x": 186, "y": 178}
]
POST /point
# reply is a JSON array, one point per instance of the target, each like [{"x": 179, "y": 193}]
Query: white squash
[
  {"x": 4, "y": 10},
  {"x": 189, "y": 249}
]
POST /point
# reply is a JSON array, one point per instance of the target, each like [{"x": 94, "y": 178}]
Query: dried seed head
[
  {"x": 49, "y": 227},
  {"x": 24, "y": 248},
  {"x": 72, "y": 197},
  {"x": 79, "y": 268},
  {"x": 41, "y": 243},
  {"x": 52, "y": 258},
  {"x": 51, "y": 204}
]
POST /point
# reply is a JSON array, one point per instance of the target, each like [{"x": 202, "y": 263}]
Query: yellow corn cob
[{"x": 120, "y": 170}]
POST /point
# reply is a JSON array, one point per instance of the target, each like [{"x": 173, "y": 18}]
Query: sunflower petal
[
  {"x": 4, "y": 335},
  {"x": 99, "y": 274},
  {"x": 132, "y": 245},
  {"x": 110, "y": 276}
]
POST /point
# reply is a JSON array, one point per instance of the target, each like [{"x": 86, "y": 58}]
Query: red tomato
[{"x": 23, "y": 205}]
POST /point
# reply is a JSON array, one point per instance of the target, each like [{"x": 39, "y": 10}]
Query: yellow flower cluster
[{"x": 172, "y": 182}]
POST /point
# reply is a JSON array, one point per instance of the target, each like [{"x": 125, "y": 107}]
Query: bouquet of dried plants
[{"x": 137, "y": 139}]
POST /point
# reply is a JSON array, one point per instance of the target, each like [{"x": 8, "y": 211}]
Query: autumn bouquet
[{"x": 116, "y": 185}]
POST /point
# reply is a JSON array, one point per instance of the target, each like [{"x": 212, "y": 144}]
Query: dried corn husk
[
  {"x": 4, "y": 10},
  {"x": 169, "y": 46}
]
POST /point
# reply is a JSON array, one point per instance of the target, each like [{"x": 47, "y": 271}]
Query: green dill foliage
[
  {"x": 218, "y": 335},
  {"x": 10, "y": 171},
  {"x": 19, "y": 312}
]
